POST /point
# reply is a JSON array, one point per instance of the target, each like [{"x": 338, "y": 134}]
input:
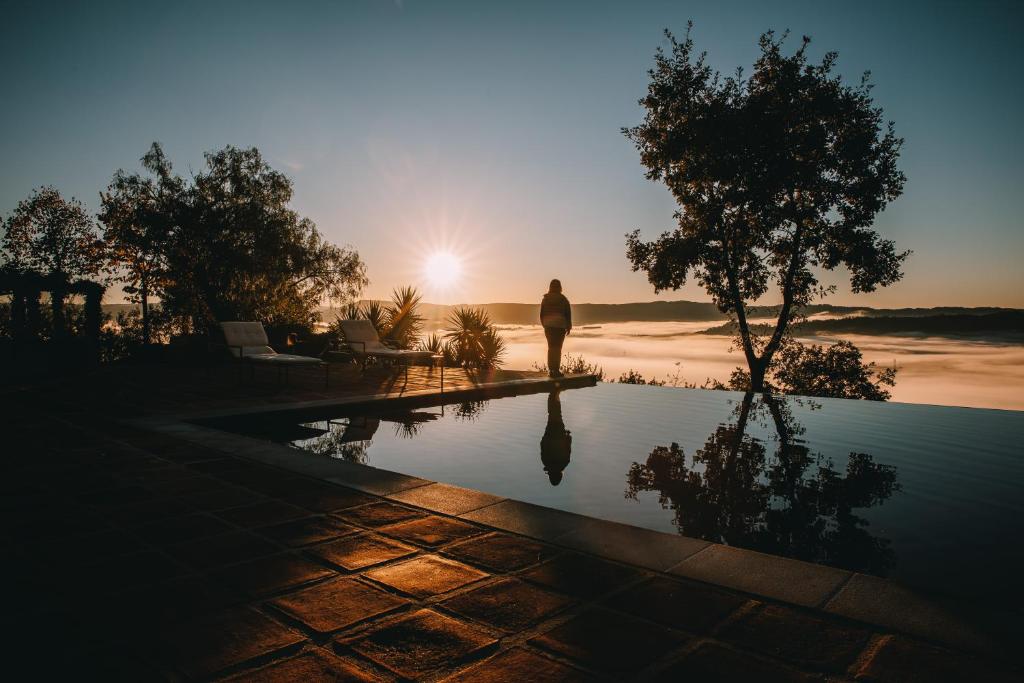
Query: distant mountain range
[
  {"x": 1005, "y": 325},
  {"x": 943, "y": 320}
]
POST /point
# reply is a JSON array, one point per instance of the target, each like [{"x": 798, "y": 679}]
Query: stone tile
[
  {"x": 263, "y": 513},
  {"x": 219, "y": 498},
  {"x": 798, "y": 637},
  {"x": 501, "y": 552},
  {"x": 359, "y": 552},
  {"x": 608, "y": 642},
  {"x": 183, "y": 529},
  {"x": 422, "y": 644},
  {"x": 714, "y": 662},
  {"x": 376, "y": 515},
  {"x": 216, "y": 551},
  {"x": 887, "y": 604},
  {"x": 897, "y": 659},
  {"x": 520, "y": 665},
  {"x": 309, "y": 667},
  {"x": 269, "y": 575},
  {"x": 203, "y": 648},
  {"x": 508, "y": 605},
  {"x": 307, "y": 531},
  {"x": 642, "y": 547},
  {"x": 116, "y": 496},
  {"x": 335, "y": 605},
  {"x": 432, "y": 531},
  {"x": 326, "y": 498},
  {"x": 119, "y": 573},
  {"x": 79, "y": 550},
  {"x": 445, "y": 498},
  {"x": 140, "y": 514},
  {"x": 581, "y": 576},
  {"x": 682, "y": 605},
  {"x": 373, "y": 480},
  {"x": 779, "y": 578},
  {"x": 156, "y": 605},
  {"x": 527, "y": 519},
  {"x": 426, "y": 575}
]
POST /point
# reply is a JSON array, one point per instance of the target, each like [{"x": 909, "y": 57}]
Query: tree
[
  {"x": 235, "y": 250},
  {"x": 51, "y": 236},
  {"x": 138, "y": 215},
  {"x": 777, "y": 177}
]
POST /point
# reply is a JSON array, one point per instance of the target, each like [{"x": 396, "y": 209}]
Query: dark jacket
[{"x": 555, "y": 311}]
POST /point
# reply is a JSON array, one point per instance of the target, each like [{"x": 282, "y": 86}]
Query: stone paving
[{"x": 131, "y": 555}]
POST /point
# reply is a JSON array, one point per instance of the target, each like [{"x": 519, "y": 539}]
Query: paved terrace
[{"x": 162, "y": 551}]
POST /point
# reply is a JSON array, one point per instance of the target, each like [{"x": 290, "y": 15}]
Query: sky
[{"x": 492, "y": 130}]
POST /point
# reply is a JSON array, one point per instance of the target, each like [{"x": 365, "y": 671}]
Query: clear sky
[{"x": 492, "y": 129}]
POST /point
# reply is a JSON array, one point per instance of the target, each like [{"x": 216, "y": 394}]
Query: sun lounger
[
  {"x": 362, "y": 339},
  {"x": 247, "y": 341}
]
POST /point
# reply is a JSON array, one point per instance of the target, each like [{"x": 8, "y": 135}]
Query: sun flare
[{"x": 442, "y": 269}]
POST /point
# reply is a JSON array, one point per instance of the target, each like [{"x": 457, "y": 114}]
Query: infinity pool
[{"x": 930, "y": 496}]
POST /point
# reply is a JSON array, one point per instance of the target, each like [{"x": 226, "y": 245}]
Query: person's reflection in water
[{"x": 556, "y": 444}]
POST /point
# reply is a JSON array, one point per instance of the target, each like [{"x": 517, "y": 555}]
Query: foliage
[
  {"x": 404, "y": 323},
  {"x": 474, "y": 341},
  {"x": 777, "y": 177},
  {"x": 836, "y": 371},
  {"x": 50, "y": 235},
  {"x": 575, "y": 365},
  {"x": 631, "y": 376},
  {"x": 230, "y": 247},
  {"x": 138, "y": 215},
  {"x": 398, "y": 324}
]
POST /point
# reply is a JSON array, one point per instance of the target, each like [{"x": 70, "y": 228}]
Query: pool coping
[{"x": 859, "y": 597}]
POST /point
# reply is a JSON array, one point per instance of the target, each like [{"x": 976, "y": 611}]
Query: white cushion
[
  {"x": 361, "y": 336},
  {"x": 400, "y": 353},
  {"x": 283, "y": 359},
  {"x": 251, "y": 351},
  {"x": 244, "y": 334}
]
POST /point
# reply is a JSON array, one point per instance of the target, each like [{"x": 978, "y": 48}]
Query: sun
[{"x": 442, "y": 269}]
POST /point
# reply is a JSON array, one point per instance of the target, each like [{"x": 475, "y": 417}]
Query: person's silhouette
[
  {"x": 556, "y": 444},
  {"x": 556, "y": 318}
]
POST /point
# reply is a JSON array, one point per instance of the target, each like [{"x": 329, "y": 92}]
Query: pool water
[{"x": 931, "y": 496}]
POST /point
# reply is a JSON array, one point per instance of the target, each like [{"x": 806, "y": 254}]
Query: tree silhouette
[
  {"x": 777, "y": 176},
  {"x": 226, "y": 242},
  {"x": 52, "y": 236},
  {"x": 138, "y": 214},
  {"x": 790, "y": 502}
]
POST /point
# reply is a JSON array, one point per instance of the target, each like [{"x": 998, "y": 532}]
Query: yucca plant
[
  {"x": 403, "y": 320},
  {"x": 474, "y": 341},
  {"x": 492, "y": 348}
]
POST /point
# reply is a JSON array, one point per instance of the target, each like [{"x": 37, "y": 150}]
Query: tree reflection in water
[
  {"x": 349, "y": 439},
  {"x": 790, "y": 502}
]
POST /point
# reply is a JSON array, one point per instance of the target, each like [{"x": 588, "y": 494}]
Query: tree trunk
[
  {"x": 144, "y": 296},
  {"x": 758, "y": 369}
]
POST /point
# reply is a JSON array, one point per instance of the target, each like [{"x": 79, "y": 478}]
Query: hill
[{"x": 1005, "y": 324}]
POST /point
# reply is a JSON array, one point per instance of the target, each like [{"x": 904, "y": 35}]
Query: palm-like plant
[
  {"x": 473, "y": 340},
  {"x": 403, "y": 320}
]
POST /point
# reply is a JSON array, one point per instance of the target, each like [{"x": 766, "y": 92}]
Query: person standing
[{"x": 556, "y": 317}]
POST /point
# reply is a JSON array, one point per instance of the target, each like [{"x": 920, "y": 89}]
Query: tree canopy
[
  {"x": 52, "y": 236},
  {"x": 777, "y": 177},
  {"x": 226, "y": 243}
]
